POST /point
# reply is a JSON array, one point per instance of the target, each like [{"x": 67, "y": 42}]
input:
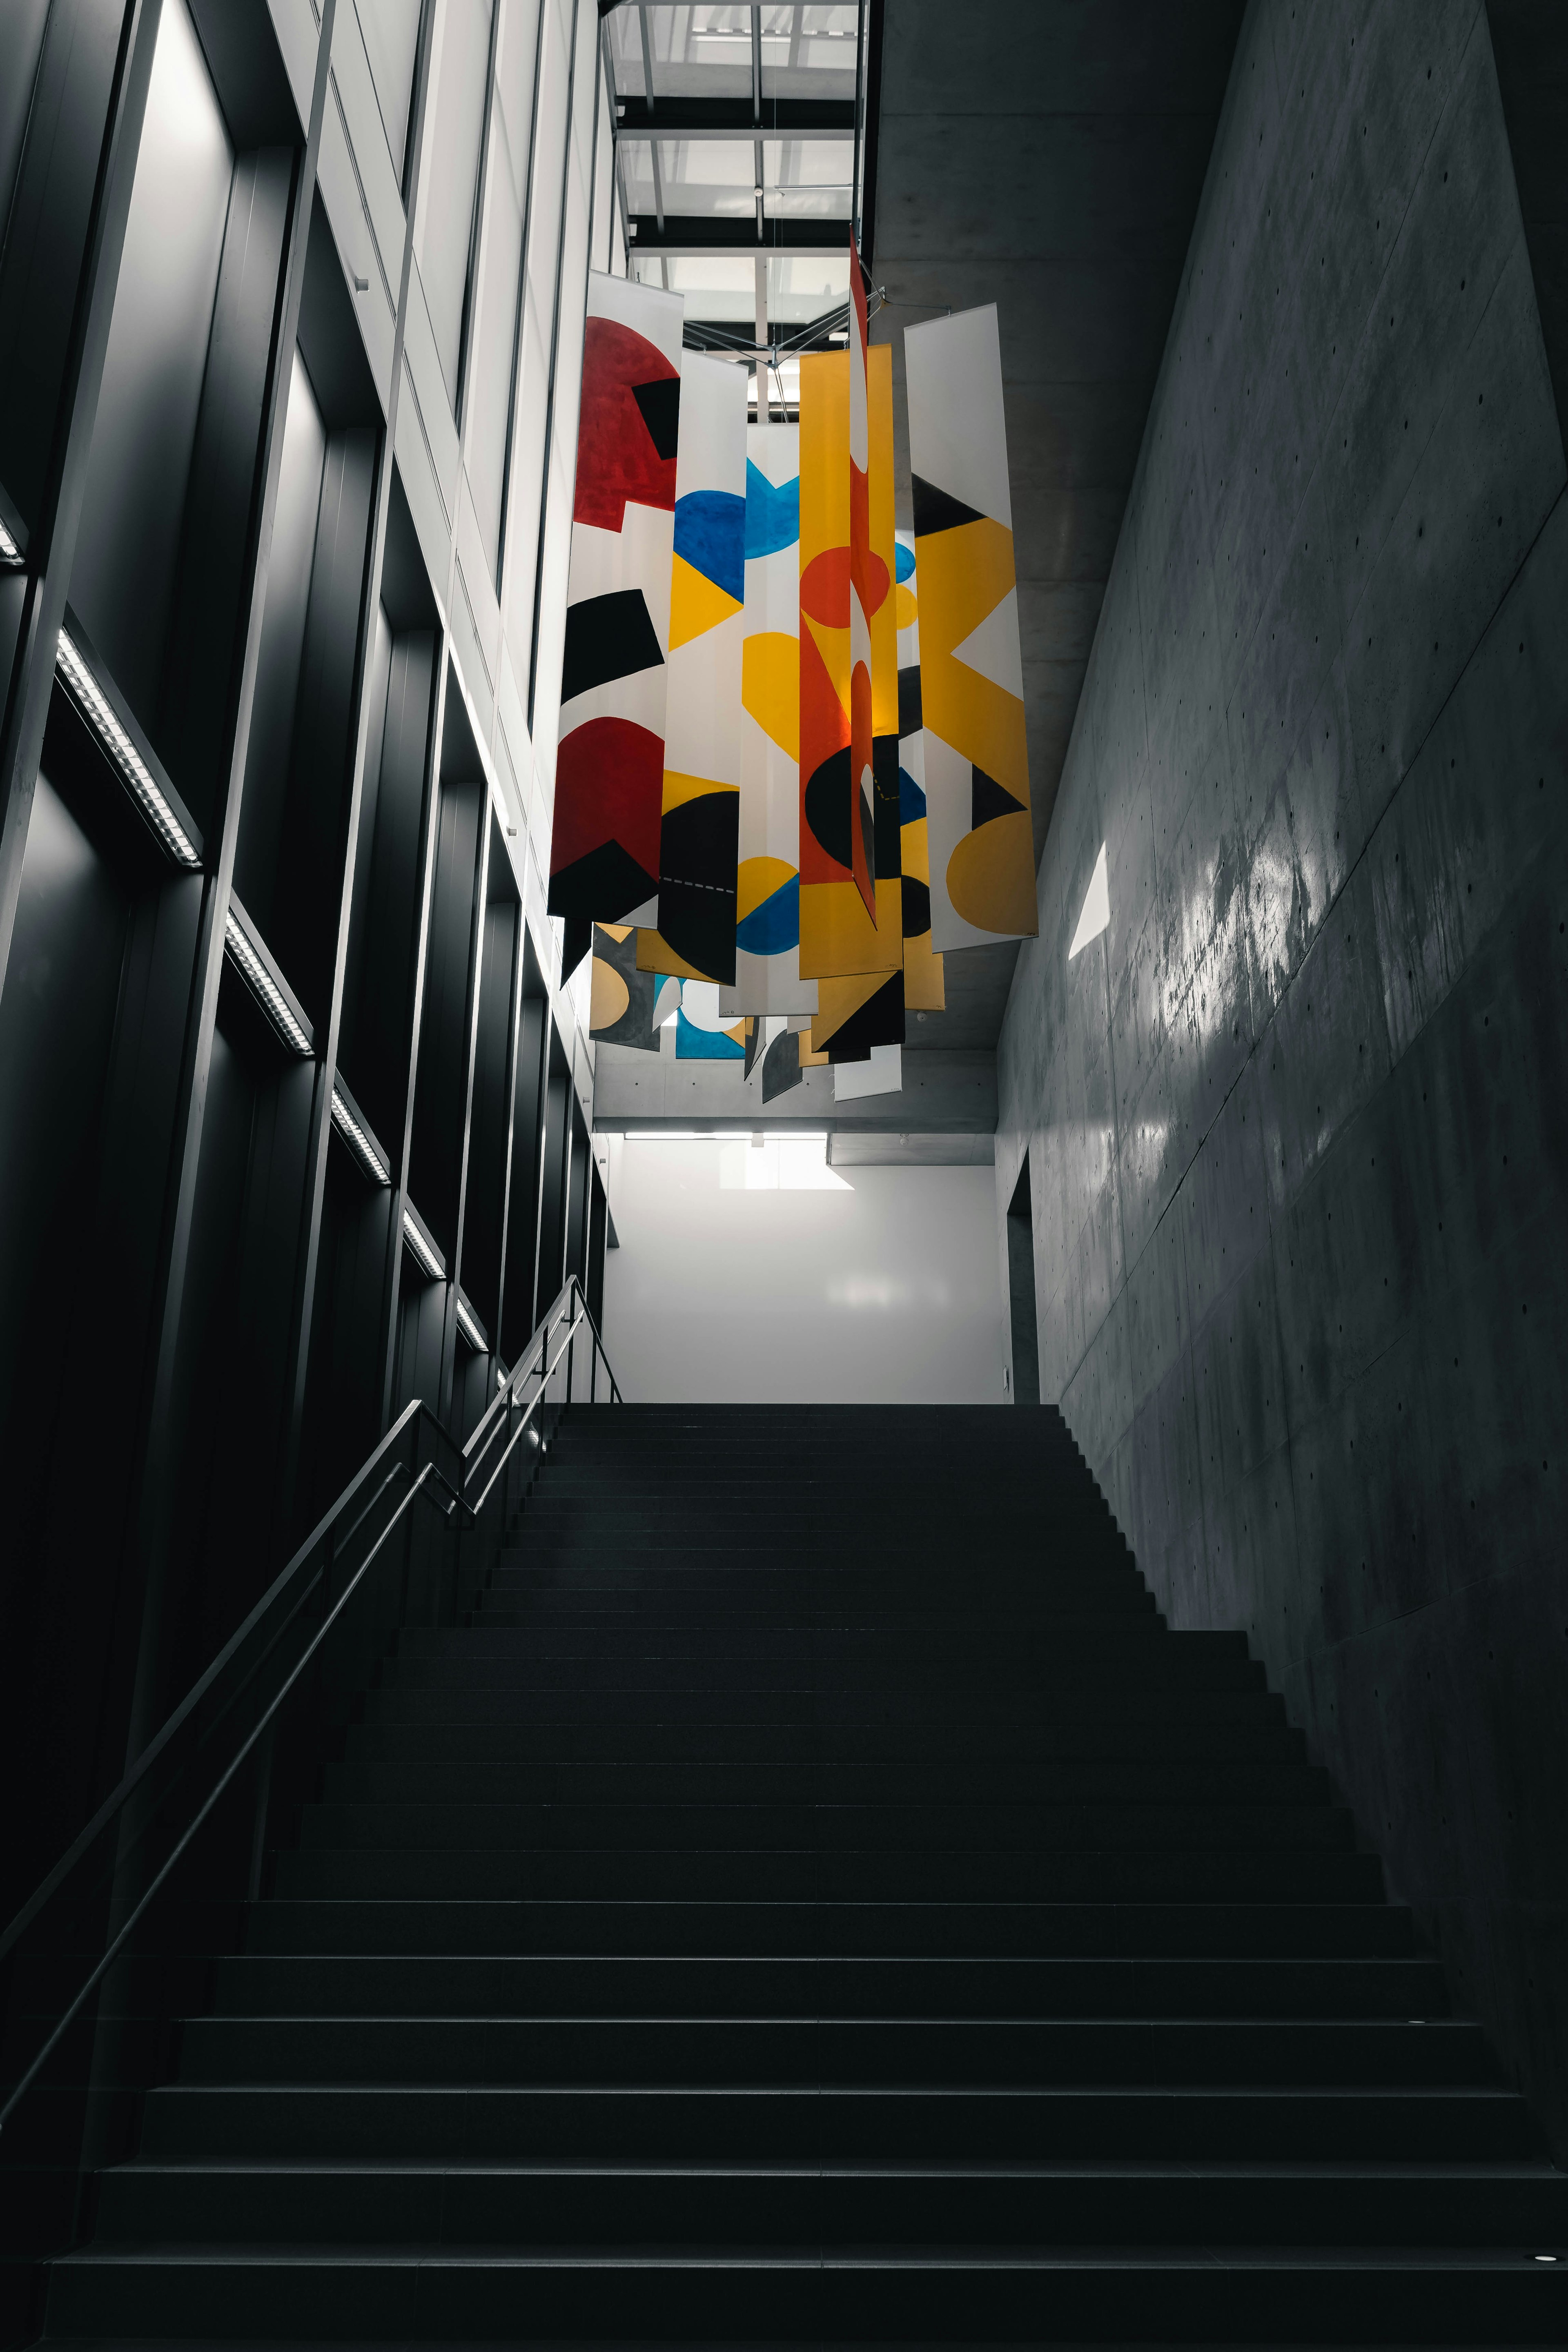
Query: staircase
[{"x": 814, "y": 1896}]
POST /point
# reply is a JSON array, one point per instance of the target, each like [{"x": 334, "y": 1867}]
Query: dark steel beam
[
  {"x": 688, "y": 233},
  {"x": 732, "y": 118}
]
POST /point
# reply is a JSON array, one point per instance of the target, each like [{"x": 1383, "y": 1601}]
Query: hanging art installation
[
  {"x": 609, "y": 766},
  {"x": 976, "y": 779},
  {"x": 767, "y": 904},
  {"x": 700, "y": 812},
  {"x": 792, "y": 771},
  {"x": 924, "y": 990}
]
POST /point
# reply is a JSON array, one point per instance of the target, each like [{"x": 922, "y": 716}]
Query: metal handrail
[{"x": 535, "y": 1362}]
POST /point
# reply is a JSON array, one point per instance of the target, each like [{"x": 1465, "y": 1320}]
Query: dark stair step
[
  {"x": 565, "y": 1827},
  {"x": 796, "y": 2052},
  {"x": 369, "y": 1984},
  {"x": 767, "y": 2122},
  {"x": 966, "y": 1930},
  {"x": 1508, "y": 2204},
  {"x": 847, "y": 1875}
]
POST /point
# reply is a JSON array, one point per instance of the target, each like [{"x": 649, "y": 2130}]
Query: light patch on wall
[
  {"x": 885, "y": 1293},
  {"x": 782, "y": 1164},
  {"x": 1096, "y": 915}
]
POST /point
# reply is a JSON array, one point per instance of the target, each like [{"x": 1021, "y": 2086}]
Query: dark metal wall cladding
[
  {"x": 206, "y": 1310},
  {"x": 1296, "y": 1126}
]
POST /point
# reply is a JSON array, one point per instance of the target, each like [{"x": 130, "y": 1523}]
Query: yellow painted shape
[
  {"x": 757, "y": 879},
  {"x": 924, "y": 988},
  {"x": 906, "y": 606},
  {"x": 964, "y": 574},
  {"x": 991, "y": 876},
  {"x": 610, "y": 995},
  {"x": 838, "y": 936},
  {"x": 883, "y": 624},
  {"x": 824, "y": 452},
  {"x": 655, "y": 954},
  {"x": 770, "y": 687},
  {"x": 617, "y": 932},
  {"x": 696, "y": 604},
  {"x": 679, "y": 789},
  {"x": 808, "y": 1060},
  {"x": 833, "y": 644},
  {"x": 837, "y": 1001}
]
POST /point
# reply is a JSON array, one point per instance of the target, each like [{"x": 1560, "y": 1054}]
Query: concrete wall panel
[{"x": 1298, "y": 1121}]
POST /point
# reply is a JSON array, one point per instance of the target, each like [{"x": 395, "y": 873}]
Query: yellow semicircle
[
  {"x": 757, "y": 879},
  {"x": 991, "y": 876},
  {"x": 610, "y": 996}
]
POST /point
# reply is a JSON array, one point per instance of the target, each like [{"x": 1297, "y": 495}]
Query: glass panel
[{"x": 807, "y": 179}]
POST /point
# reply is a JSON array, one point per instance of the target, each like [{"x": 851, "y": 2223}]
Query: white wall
[{"x": 874, "y": 1286}]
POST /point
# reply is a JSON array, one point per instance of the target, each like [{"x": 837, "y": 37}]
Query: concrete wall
[
  {"x": 1298, "y": 1122},
  {"x": 856, "y": 1286}
]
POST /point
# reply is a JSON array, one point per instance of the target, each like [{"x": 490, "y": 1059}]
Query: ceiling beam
[
  {"x": 694, "y": 234},
  {"x": 732, "y": 118}
]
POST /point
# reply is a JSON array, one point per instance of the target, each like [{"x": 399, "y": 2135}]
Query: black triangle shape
[
  {"x": 938, "y": 510},
  {"x": 575, "y": 938},
  {"x": 987, "y": 799},
  {"x": 660, "y": 404}
]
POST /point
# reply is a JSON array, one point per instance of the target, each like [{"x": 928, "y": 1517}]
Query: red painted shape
[
  {"x": 824, "y": 730},
  {"x": 825, "y": 588},
  {"x": 609, "y": 785},
  {"x": 616, "y": 457}
]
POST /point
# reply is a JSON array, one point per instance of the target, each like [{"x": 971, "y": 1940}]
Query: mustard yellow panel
[
  {"x": 824, "y": 452},
  {"x": 906, "y": 607},
  {"x": 617, "y": 932},
  {"x": 924, "y": 988},
  {"x": 838, "y": 1001},
  {"x": 770, "y": 687},
  {"x": 696, "y": 604},
  {"x": 838, "y": 936},
  {"x": 991, "y": 876}
]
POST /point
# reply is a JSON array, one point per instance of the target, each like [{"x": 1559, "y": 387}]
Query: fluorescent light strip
[
  {"x": 265, "y": 988},
  {"x": 94, "y": 706},
  {"x": 10, "y": 553},
  {"x": 420, "y": 1251},
  {"x": 469, "y": 1328},
  {"x": 358, "y": 1141}
]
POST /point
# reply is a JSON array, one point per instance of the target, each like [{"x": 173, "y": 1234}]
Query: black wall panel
[
  {"x": 522, "y": 1251},
  {"x": 383, "y": 938},
  {"x": 46, "y": 233},
  {"x": 435, "y": 1167}
]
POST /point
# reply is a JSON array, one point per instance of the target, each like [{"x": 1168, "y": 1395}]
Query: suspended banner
[
  {"x": 839, "y": 932},
  {"x": 924, "y": 991},
  {"x": 976, "y": 779},
  {"x": 701, "y": 1032},
  {"x": 623, "y": 1000},
  {"x": 700, "y": 806},
  {"x": 609, "y": 768},
  {"x": 767, "y": 904},
  {"x": 863, "y": 587}
]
